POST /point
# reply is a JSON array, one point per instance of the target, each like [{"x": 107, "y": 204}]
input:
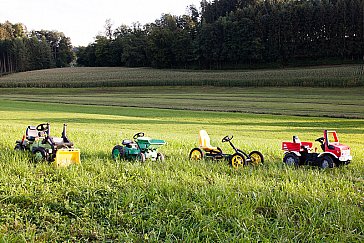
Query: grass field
[
  {"x": 330, "y": 76},
  {"x": 178, "y": 199}
]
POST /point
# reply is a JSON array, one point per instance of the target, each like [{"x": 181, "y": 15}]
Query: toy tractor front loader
[{"x": 38, "y": 141}]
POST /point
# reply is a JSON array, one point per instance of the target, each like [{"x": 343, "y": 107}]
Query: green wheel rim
[
  {"x": 115, "y": 154},
  {"x": 38, "y": 156}
]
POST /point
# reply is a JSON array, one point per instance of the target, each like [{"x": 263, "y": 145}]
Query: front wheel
[
  {"x": 196, "y": 154},
  {"x": 256, "y": 158},
  {"x": 237, "y": 160},
  {"x": 40, "y": 155},
  {"x": 117, "y": 152},
  {"x": 18, "y": 147},
  {"x": 291, "y": 159},
  {"x": 141, "y": 157},
  {"x": 327, "y": 162},
  {"x": 160, "y": 157}
]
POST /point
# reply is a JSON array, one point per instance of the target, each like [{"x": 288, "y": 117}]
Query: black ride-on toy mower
[
  {"x": 238, "y": 159},
  {"x": 59, "y": 151},
  {"x": 140, "y": 149}
]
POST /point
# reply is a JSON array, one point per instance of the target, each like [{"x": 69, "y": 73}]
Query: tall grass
[
  {"x": 331, "y": 76},
  {"x": 176, "y": 200}
]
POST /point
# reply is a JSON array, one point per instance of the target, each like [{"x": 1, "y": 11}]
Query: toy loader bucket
[{"x": 66, "y": 157}]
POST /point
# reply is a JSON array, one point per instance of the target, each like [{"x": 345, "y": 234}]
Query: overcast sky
[{"x": 82, "y": 20}]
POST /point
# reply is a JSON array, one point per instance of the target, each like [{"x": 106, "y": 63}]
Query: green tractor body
[{"x": 140, "y": 149}]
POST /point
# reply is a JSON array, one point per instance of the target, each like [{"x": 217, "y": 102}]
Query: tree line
[
  {"x": 237, "y": 33},
  {"x": 21, "y": 50},
  {"x": 220, "y": 34}
]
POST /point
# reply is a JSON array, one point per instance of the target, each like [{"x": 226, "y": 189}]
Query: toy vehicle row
[{"x": 61, "y": 151}]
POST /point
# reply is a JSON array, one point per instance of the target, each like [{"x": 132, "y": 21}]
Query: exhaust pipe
[
  {"x": 48, "y": 129},
  {"x": 64, "y": 132}
]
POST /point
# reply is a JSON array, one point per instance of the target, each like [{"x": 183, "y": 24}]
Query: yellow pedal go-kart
[{"x": 238, "y": 159}]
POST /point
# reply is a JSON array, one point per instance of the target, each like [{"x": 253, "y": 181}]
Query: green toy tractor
[
  {"x": 38, "y": 141},
  {"x": 140, "y": 149}
]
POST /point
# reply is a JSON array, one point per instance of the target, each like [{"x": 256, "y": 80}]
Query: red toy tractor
[{"x": 301, "y": 153}]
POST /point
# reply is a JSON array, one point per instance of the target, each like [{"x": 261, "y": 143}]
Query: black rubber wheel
[
  {"x": 327, "y": 162},
  {"x": 256, "y": 158},
  {"x": 117, "y": 152},
  {"x": 40, "y": 155},
  {"x": 196, "y": 154},
  {"x": 237, "y": 160},
  {"x": 141, "y": 157},
  {"x": 160, "y": 157},
  {"x": 291, "y": 159}
]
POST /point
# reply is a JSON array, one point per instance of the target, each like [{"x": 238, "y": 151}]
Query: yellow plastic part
[
  {"x": 204, "y": 141},
  {"x": 237, "y": 161},
  {"x": 66, "y": 157},
  {"x": 196, "y": 154}
]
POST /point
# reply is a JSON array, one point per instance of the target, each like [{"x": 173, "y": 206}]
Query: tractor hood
[{"x": 341, "y": 146}]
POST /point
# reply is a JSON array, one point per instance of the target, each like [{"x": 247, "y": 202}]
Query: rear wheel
[
  {"x": 196, "y": 154},
  {"x": 256, "y": 158},
  {"x": 18, "y": 147},
  {"x": 140, "y": 157},
  {"x": 40, "y": 155},
  {"x": 117, "y": 152},
  {"x": 237, "y": 160},
  {"x": 160, "y": 157},
  {"x": 327, "y": 162},
  {"x": 291, "y": 159}
]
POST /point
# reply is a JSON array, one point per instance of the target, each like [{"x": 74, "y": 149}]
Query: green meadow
[{"x": 179, "y": 199}]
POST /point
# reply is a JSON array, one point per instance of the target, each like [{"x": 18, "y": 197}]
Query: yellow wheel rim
[
  {"x": 237, "y": 161},
  {"x": 255, "y": 159},
  {"x": 196, "y": 155}
]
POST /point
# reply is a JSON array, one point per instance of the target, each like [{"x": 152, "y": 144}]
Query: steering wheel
[
  {"x": 226, "y": 139},
  {"x": 139, "y": 134},
  {"x": 42, "y": 127},
  {"x": 321, "y": 140}
]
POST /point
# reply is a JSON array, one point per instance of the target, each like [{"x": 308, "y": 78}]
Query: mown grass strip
[{"x": 328, "y": 102}]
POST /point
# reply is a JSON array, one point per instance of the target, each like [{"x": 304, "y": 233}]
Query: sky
[{"x": 82, "y": 20}]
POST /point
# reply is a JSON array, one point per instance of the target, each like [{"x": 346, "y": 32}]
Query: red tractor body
[{"x": 301, "y": 153}]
